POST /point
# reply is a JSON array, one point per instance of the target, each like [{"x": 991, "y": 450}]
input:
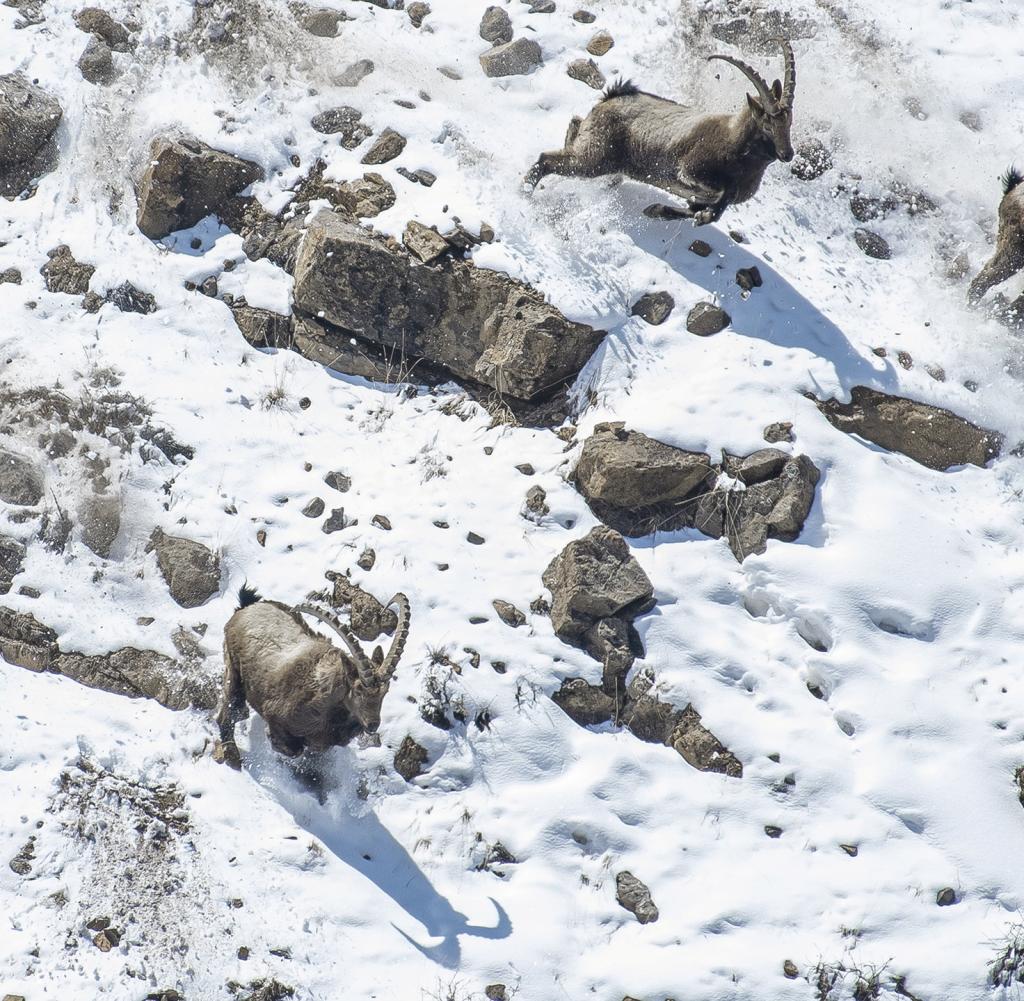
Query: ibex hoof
[
  {"x": 226, "y": 753},
  {"x": 660, "y": 211}
]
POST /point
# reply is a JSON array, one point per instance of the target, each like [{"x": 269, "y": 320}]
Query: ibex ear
[
  {"x": 377, "y": 657},
  {"x": 777, "y": 90},
  {"x": 755, "y": 105}
]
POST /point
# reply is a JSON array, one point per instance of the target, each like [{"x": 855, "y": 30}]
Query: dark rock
[
  {"x": 424, "y": 243},
  {"x": 701, "y": 748},
  {"x": 701, "y": 248},
  {"x": 872, "y": 244},
  {"x": 192, "y": 571},
  {"x": 930, "y": 435},
  {"x": 515, "y": 58},
  {"x": 772, "y": 831},
  {"x": 21, "y": 482},
  {"x": 367, "y": 558},
  {"x": 496, "y": 992},
  {"x": 593, "y": 578},
  {"x": 96, "y": 62},
  {"x": 749, "y": 279},
  {"x": 706, "y": 319},
  {"x": 28, "y": 118},
  {"x": 99, "y": 23},
  {"x": 410, "y": 759},
  {"x": 496, "y": 26},
  {"x": 388, "y": 145},
  {"x": 477, "y": 324},
  {"x": 367, "y": 616},
  {"x": 354, "y": 74},
  {"x": 12, "y": 557},
  {"x": 812, "y": 159},
  {"x": 100, "y": 519},
  {"x": 382, "y": 522},
  {"x": 338, "y": 481},
  {"x": 474, "y": 539},
  {"x": 323, "y": 23},
  {"x": 314, "y": 508},
  {"x": 262, "y": 328},
  {"x": 946, "y": 897},
  {"x": 790, "y": 970},
  {"x": 654, "y": 307},
  {"x": 584, "y": 17},
  {"x": 588, "y": 705},
  {"x": 508, "y": 613},
  {"x": 417, "y": 12},
  {"x": 424, "y": 177},
  {"x": 536, "y": 501},
  {"x": 586, "y": 71},
  {"x": 365, "y": 197},
  {"x": 779, "y": 431},
  {"x": 129, "y": 299},
  {"x": 344, "y": 121},
  {"x": 335, "y": 522},
  {"x": 10, "y": 276},
  {"x": 526, "y": 469},
  {"x": 62, "y": 273},
  {"x": 541, "y": 6},
  {"x": 186, "y": 180},
  {"x": 25, "y": 641},
  {"x": 600, "y": 43},
  {"x": 635, "y": 897}
]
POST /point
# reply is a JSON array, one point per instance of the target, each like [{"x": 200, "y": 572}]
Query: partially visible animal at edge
[
  {"x": 1009, "y": 256},
  {"x": 310, "y": 694},
  {"x": 709, "y": 161}
]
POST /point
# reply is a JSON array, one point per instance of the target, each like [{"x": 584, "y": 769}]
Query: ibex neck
[{"x": 749, "y": 142}]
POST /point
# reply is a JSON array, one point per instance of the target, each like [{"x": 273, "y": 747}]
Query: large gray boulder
[
  {"x": 21, "y": 482},
  {"x": 934, "y": 437},
  {"x": 184, "y": 181},
  {"x": 28, "y": 118},
  {"x": 514, "y": 58},
  {"x": 12, "y": 557},
  {"x": 192, "y": 571},
  {"x": 496, "y": 26},
  {"x": 477, "y": 324}
]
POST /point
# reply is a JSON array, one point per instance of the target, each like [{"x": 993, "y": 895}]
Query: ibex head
[{"x": 772, "y": 108}]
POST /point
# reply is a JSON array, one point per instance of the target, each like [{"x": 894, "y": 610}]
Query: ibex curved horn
[
  {"x": 789, "y": 76},
  {"x": 763, "y": 90},
  {"x": 363, "y": 666},
  {"x": 401, "y": 635}
]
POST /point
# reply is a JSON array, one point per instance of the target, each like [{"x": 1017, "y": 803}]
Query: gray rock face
[
  {"x": 706, "y": 319},
  {"x": 424, "y": 243},
  {"x": 586, "y": 71},
  {"x": 191, "y": 571},
  {"x": 20, "y": 481},
  {"x": 654, "y": 307},
  {"x": 365, "y": 197},
  {"x": 934, "y": 437},
  {"x": 12, "y": 557},
  {"x": 353, "y": 75},
  {"x": 97, "y": 62},
  {"x": 478, "y": 324},
  {"x": 25, "y": 641},
  {"x": 635, "y": 898},
  {"x": 62, "y": 273},
  {"x": 595, "y": 578},
  {"x": 28, "y": 118},
  {"x": 184, "y": 181},
  {"x": 588, "y": 705},
  {"x": 514, "y": 58},
  {"x": 496, "y": 26},
  {"x": 100, "y": 521},
  {"x": 388, "y": 145},
  {"x": 262, "y": 328}
]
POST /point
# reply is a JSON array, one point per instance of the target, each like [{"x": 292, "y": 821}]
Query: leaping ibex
[
  {"x": 709, "y": 161},
  {"x": 309, "y": 693},
  {"x": 1009, "y": 256}
]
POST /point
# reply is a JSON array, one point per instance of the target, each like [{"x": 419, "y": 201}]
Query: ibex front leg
[{"x": 704, "y": 204}]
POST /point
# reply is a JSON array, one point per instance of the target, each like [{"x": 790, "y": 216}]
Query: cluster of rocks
[
  {"x": 107, "y": 36},
  {"x": 507, "y": 56},
  {"x": 639, "y": 485}
]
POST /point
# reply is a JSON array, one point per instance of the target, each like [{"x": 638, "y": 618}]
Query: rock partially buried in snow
[
  {"x": 21, "y": 482},
  {"x": 97, "y": 62},
  {"x": 388, "y": 145},
  {"x": 100, "y": 520},
  {"x": 99, "y": 23},
  {"x": 186, "y": 180},
  {"x": 706, "y": 319},
  {"x": 192, "y": 571},
  {"x": 12, "y": 556},
  {"x": 934, "y": 437},
  {"x": 654, "y": 307},
  {"x": 496, "y": 26},
  {"x": 872, "y": 244},
  {"x": 478, "y": 324},
  {"x": 586, "y": 71},
  {"x": 514, "y": 58},
  {"x": 344, "y": 121},
  {"x": 635, "y": 897},
  {"x": 62, "y": 273},
  {"x": 353, "y": 75},
  {"x": 410, "y": 759},
  {"x": 28, "y": 118},
  {"x": 418, "y": 12},
  {"x": 600, "y": 43}
]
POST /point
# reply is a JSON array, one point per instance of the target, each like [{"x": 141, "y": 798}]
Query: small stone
[
  {"x": 410, "y": 759},
  {"x": 129, "y": 299},
  {"x": 526, "y": 469},
  {"x": 21, "y": 482},
  {"x": 344, "y": 121},
  {"x": 749, "y": 279},
  {"x": 937, "y": 372},
  {"x": 367, "y": 558},
  {"x": 584, "y": 17},
  {"x": 542, "y": 6},
  {"x": 600, "y": 43},
  {"x": 96, "y": 62},
  {"x": 354, "y": 74},
  {"x": 62, "y": 273},
  {"x": 635, "y": 897},
  {"x": 338, "y": 481},
  {"x": 417, "y": 12},
  {"x": 243, "y": 952},
  {"x": 971, "y": 120},
  {"x": 706, "y": 319},
  {"x": 314, "y": 508},
  {"x": 496, "y": 992},
  {"x": 790, "y": 970},
  {"x": 98, "y": 924},
  {"x": 812, "y": 160},
  {"x": 381, "y": 522},
  {"x": 736, "y": 236},
  {"x": 107, "y": 939},
  {"x": 389, "y": 144},
  {"x": 261, "y": 536},
  {"x": 514, "y": 58},
  {"x": 586, "y": 71},
  {"x": 701, "y": 248},
  {"x": 772, "y": 831},
  {"x": 872, "y": 244},
  {"x": 323, "y": 23},
  {"x": 508, "y": 613},
  {"x": 946, "y": 897},
  {"x": 850, "y": 850},
  {"x": 779, "y": 431},
  {"x": 654, "y": 307},
  {"x": 95, "y": 21},
  {"x": 476, "y": 540},
  {"x": 496, "y": 26},
  {"x": 448, "y": 71},
  {"x": 424, "y": 177},
  {"x": 335, "y": 522},
  {"x": 10, "y": 276},
  {"x": 536, "y": 501}
]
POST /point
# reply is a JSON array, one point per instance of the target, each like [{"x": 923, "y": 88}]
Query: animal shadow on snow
[
  {"x": 775, "y": 312},
  {"x": 319, "y": 794}
]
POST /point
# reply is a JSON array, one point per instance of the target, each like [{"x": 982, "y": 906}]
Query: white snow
[{"x": 903, "y": 599}]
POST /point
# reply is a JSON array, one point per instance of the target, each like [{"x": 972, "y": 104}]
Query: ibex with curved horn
[
  {"x": 709, "y": 161},
  {"x": 310, "y": 694}
]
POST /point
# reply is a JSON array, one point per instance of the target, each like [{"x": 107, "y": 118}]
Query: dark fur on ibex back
[
  {"x": 1009, "y": 256},
  {"x": 309, "y": 693},
  {"x": 709, "y": 161}
]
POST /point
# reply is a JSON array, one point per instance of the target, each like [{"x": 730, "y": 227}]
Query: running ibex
[
  {"x": 709, "y": 161},
  {"x": 309, "y": 693},
  {"x": 1009, "y": 256}
]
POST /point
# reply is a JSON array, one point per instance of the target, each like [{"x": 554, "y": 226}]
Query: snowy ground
[{"x": 903, "y": 600}]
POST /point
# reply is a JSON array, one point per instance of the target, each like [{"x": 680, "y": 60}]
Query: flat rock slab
[
  {"x": 934, "y": 437},
  {"x": 192, "y": 571},
  {"x": 477, "y": 324},
  {"x": 186, "y": 180}
]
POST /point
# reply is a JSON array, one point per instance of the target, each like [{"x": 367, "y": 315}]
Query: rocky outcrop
[
  {"x": 25, "y": 641},
  {"x": 28, "y": 119},
  {"x": 186, "y": 180},
  {"x": 192, "y": 571},
  {"x": 21, "y": 482},
  {"x": 477, "y": 324},
  {"x": 12, "y": 558},
  {"x": 638, "y": 485},
  {"x": 934, "y": 437}
]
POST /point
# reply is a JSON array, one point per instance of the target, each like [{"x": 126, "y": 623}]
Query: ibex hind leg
[
  {"x": 1006, "y": 262},
  {"x": 232, "y": 705}
]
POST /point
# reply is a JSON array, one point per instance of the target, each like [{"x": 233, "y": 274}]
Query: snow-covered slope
[{"x": 901, "y": 601}]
